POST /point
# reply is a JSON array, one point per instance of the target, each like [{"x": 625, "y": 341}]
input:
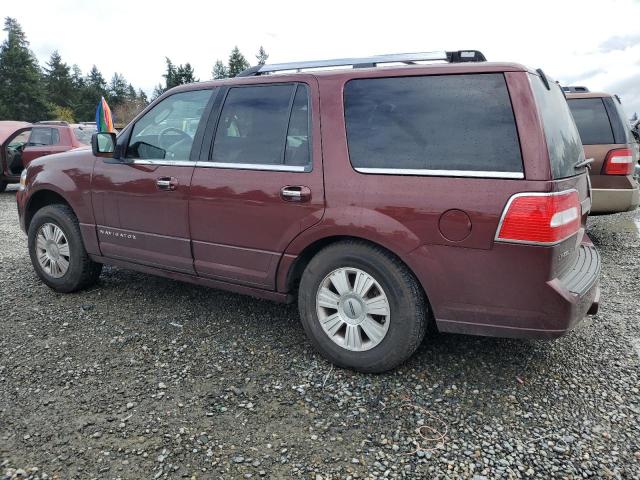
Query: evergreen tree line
[
  {"x": 57, "y": 91},
  {"x": 181, "y": 74}
]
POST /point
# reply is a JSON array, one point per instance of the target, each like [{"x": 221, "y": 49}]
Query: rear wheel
[
  {"x": 361, "y": 307},
  {"x": 57, "y": 251}
]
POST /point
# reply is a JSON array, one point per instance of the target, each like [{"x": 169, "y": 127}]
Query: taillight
[
  {"x": 540, "y": 218},
  {"x": 618, "y": 162}
]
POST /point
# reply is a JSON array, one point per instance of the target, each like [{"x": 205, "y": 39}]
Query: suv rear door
[
  {"x": 45, "y": 141},
  {"x": 262, "y": 182}
]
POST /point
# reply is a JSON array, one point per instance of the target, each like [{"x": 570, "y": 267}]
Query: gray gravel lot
[{"x": 143, "y": 377}]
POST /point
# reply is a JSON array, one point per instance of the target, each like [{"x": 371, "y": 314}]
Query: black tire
[
  {"x": 407, "y": 305},
  {"x": 82, "y": 271},
  {"x": 3, "y": 186}
]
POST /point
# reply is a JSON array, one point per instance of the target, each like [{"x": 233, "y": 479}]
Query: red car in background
[{"x": 23, "y": 142}]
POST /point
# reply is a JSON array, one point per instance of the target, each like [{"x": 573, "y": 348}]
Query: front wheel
[
  {"x": 361, "y": 307},
  {"x": 57, "y": 251}
]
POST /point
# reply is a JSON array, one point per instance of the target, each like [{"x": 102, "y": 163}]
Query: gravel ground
[{"x": 143, "y": 377}]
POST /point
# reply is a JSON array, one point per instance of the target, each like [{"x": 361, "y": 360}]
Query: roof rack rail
[
  {"x": 53, "y": 122},
  {"x": 458, "y": 56},
  {"x": 576, "y": 89}
]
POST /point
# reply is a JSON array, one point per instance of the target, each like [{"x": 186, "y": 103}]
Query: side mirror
[{"x": 103, "y": 144}]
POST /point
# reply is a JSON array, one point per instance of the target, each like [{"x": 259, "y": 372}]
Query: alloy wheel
[
  {"x": 52, "y": 250},
  {"x": 353, "y": 309}
]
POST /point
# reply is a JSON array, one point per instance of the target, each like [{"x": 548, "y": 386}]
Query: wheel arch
[
  {"x": 296, "y": 267},
  {"x": 40, "y": 199}
]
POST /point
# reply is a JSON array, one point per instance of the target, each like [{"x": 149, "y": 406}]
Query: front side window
[
  {"x": 264, "y": 125},
  {"x": 461, "y": 124},
  {"x": 592, "y": 120},
  {"x": 19, "y": 140},
  {"x": 166, "y": 132},
  {"x": 42, "y": 136}
]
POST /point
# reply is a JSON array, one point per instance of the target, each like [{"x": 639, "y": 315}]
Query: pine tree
[
  {"x": 117, "y": 90},
  {"x": 22, "y": 95},
  {"x": 157, "y": 91},
  {"x": 58, "y": 82},
  {"x": 171, "y": 75},
  {"x": 94, "y": 87},
  {"x": 262, "y": 56},
  {"x": 237, "y": 62},
  {"x": 219, "y": 71},
  {"x": 76, "y": 78},
  {"x": 185, "y": 74},
  {"x": 143, "y": 97}
]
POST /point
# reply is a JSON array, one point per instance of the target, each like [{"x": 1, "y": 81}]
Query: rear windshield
[
  {"x": 83, "y": 134},
  {"x": 444, "y": 125},
  {"x": 563, "y": 141},
  {"x": 592, "y": 120}
]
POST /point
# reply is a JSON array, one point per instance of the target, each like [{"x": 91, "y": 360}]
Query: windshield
[{"x": 83, "y": 134}]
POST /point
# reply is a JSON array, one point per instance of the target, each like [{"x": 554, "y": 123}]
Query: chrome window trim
[
  {"x": 166, "y": 163},
  {"x": 613, "y": 189},
  {"x": 253, "y": 166},
  {"x": 530, "y": 194},
  {"x": 440, "y": 173}
]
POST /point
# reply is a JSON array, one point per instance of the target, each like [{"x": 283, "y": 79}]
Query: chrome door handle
[
  {"x": 166, "y": 183},
  {"x": 297, "y": 193},
  {"x": 290, "y": 192}
]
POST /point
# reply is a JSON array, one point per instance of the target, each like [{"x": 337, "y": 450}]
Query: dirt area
[{"x": 144, "y": 377}]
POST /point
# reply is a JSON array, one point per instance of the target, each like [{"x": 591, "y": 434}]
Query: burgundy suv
[{"x": 383, "y": 199}]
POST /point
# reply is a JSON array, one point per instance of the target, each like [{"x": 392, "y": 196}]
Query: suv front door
[
  {"x": 262, "y": 182},
  {"x": 11, "y": 165},
  {"x": 141, "y": 200}
]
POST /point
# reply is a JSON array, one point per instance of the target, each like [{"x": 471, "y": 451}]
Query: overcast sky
[{"x": 592, "y": 43}]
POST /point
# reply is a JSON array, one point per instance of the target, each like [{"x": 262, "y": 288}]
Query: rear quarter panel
[{"x": 403, "y": 214}]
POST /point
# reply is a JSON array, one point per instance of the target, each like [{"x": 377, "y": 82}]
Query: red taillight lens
[
  {"x": 540, "y": 218},
  {"x": 619, "y": 162}
]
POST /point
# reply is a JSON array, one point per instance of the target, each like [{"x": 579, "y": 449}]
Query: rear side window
[
  {"x": 41, "y": 136},
  {"x": 592, "y": 120},
  {"x": 563, "y": 141},
  {"x": 618, "y": 117},
  {"x": 442, "y": 125},
  {"x": 264, "y": 125}
]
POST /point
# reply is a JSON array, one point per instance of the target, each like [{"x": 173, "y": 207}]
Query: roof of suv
[{"x": 348, "y": 72}]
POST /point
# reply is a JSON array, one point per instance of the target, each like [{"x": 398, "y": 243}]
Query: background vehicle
[
  {"x": 607, "y": 139},
  {"x": 13, "y": 137},
  {"x": 453, "y": 195},
  {"x": 26, "y": 142}
]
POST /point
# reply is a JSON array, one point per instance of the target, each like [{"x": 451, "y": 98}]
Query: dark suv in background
[
  {"x": 607, "y": 139},
  {"x": 383, "y": 200}
]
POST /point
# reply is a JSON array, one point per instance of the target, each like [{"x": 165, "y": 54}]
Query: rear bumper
[
  {"x": 614, "y": 200},
  {"x": 527, "y": 307}
]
